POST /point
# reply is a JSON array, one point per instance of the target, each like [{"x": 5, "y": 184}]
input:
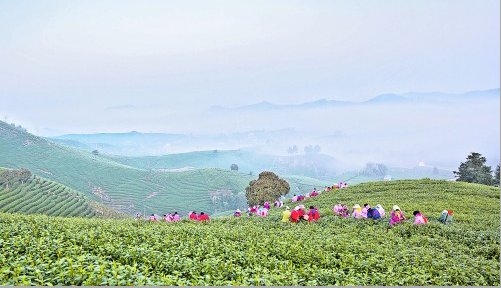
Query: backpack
[{"x": 375, "y": 214}]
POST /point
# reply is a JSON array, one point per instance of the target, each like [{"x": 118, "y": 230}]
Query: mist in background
[{"x": 161, "y": 66}]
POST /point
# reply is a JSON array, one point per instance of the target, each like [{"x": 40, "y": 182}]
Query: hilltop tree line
[
  {"x": 11, "y": 176},
  {"x": 309, "y": 149},
  {"x": 474, "y": 170},
  {"x": 375, "y": 170},
  {"x": 18, "y": 127}
]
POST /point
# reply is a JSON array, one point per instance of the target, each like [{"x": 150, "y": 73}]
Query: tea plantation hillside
[
  {"x": 43, "y": 250},
  {"x": 316, "y": 165},
  {"x": 128, "y": 189},
  {"x": 42, "y": 196},
  {"x": 246, "y": 161}
]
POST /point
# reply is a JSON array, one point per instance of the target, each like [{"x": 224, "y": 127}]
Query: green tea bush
[{"x": 46, "y": 250}]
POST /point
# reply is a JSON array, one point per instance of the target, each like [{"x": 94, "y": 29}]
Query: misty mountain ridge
[
  {"x": 411, "y": 97},
  {"x": 395, "y": 129},
  {"x": 384, "y": 98}
]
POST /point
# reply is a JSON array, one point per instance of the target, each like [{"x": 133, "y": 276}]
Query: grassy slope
[
  {"x": 126, "y": 189},
  {"x": 264, "y": 251},
  {"x": 397, "y": 173},
  {"x": 246, "y": 161},
  {"x": 315, "y": 165},
  {"x": 42, "y": 196}
]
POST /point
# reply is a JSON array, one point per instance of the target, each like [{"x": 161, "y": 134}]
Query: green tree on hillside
[
  {"x": 375, "y": 170},
  {"x": 310, "y": 149},
  {"x": 8, "y": 178},
  {"x": 268, "y": 187},
  {"x": 24, "y": 175},
  {"x": 474, "y": 170},
  {"x": 435, "y": 171},
  {"x": 496, "y": 177},
  {"x": 292, "y": 150}
]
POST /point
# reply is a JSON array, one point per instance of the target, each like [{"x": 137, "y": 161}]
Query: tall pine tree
[{"x": 474, "y": 170}]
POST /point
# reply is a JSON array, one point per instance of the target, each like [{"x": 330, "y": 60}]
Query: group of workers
[
  {"x": 359, "y": 212},
  {"x": 175, "y": 217},
  {"x": 299, "y": 214},
  {"x": 397, "y": 215},
  {"x": 257, "y": 210},
  {"x": 201, "y": 217},
  {"x": 167, "y": 217}
]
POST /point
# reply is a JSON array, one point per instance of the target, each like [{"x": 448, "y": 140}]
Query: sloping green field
[
  {"x": 246, "y": 161},
  {"x": 42, "y": 250},
  {"x": 317, "y": 166},
  {"x": 125, "y": 188},
  {"x": 42, "y": 196}
]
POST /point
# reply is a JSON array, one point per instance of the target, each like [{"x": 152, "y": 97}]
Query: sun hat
[
  {"x": 395, "y": 207},
  {"x": 356, "y": 206}
]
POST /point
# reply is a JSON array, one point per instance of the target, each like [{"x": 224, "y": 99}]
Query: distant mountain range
[
  {"x": 383, "y": 98},
  {"x": 395, "y": 129}
]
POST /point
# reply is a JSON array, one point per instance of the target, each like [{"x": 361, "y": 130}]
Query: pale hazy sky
[{"x": 103, "y": 66}]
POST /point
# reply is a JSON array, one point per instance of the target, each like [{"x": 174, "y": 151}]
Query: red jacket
[
  {"x": 203, "y": 217},
  {"x": 296, "y": 215},
  {"x": 313, "y": 215},
  {"x": 193, "y": 216}
]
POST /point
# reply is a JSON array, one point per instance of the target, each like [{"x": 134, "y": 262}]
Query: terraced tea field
[
  {"x": 44, "y": 250},
  {"x": 125, "y": 188},
  {"x": 39, "y": 195}
]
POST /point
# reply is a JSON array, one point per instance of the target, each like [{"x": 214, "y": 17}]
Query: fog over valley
[{"x": 439, "y": 132}]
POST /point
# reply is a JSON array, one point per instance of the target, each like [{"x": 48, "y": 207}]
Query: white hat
[
  {"x": 296, "y": 208},
  {"x": 301, "y": 206},
  {"x": 395, "y": 207},
  {"x": 356, "y": 206},
  {"x": 379, "y": 206},
  {"x": 445, "y": 211},
  {"x": 238, "y": 210},
  {"x": 287, "y": 208}
]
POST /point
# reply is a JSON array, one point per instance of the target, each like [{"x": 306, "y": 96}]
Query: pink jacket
[
  {"x": 419, "y": 219},
  {"x": 357, "y": 214},
  {"x": 364, "y": 211},
  {"x": 395, "y": 218}
]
